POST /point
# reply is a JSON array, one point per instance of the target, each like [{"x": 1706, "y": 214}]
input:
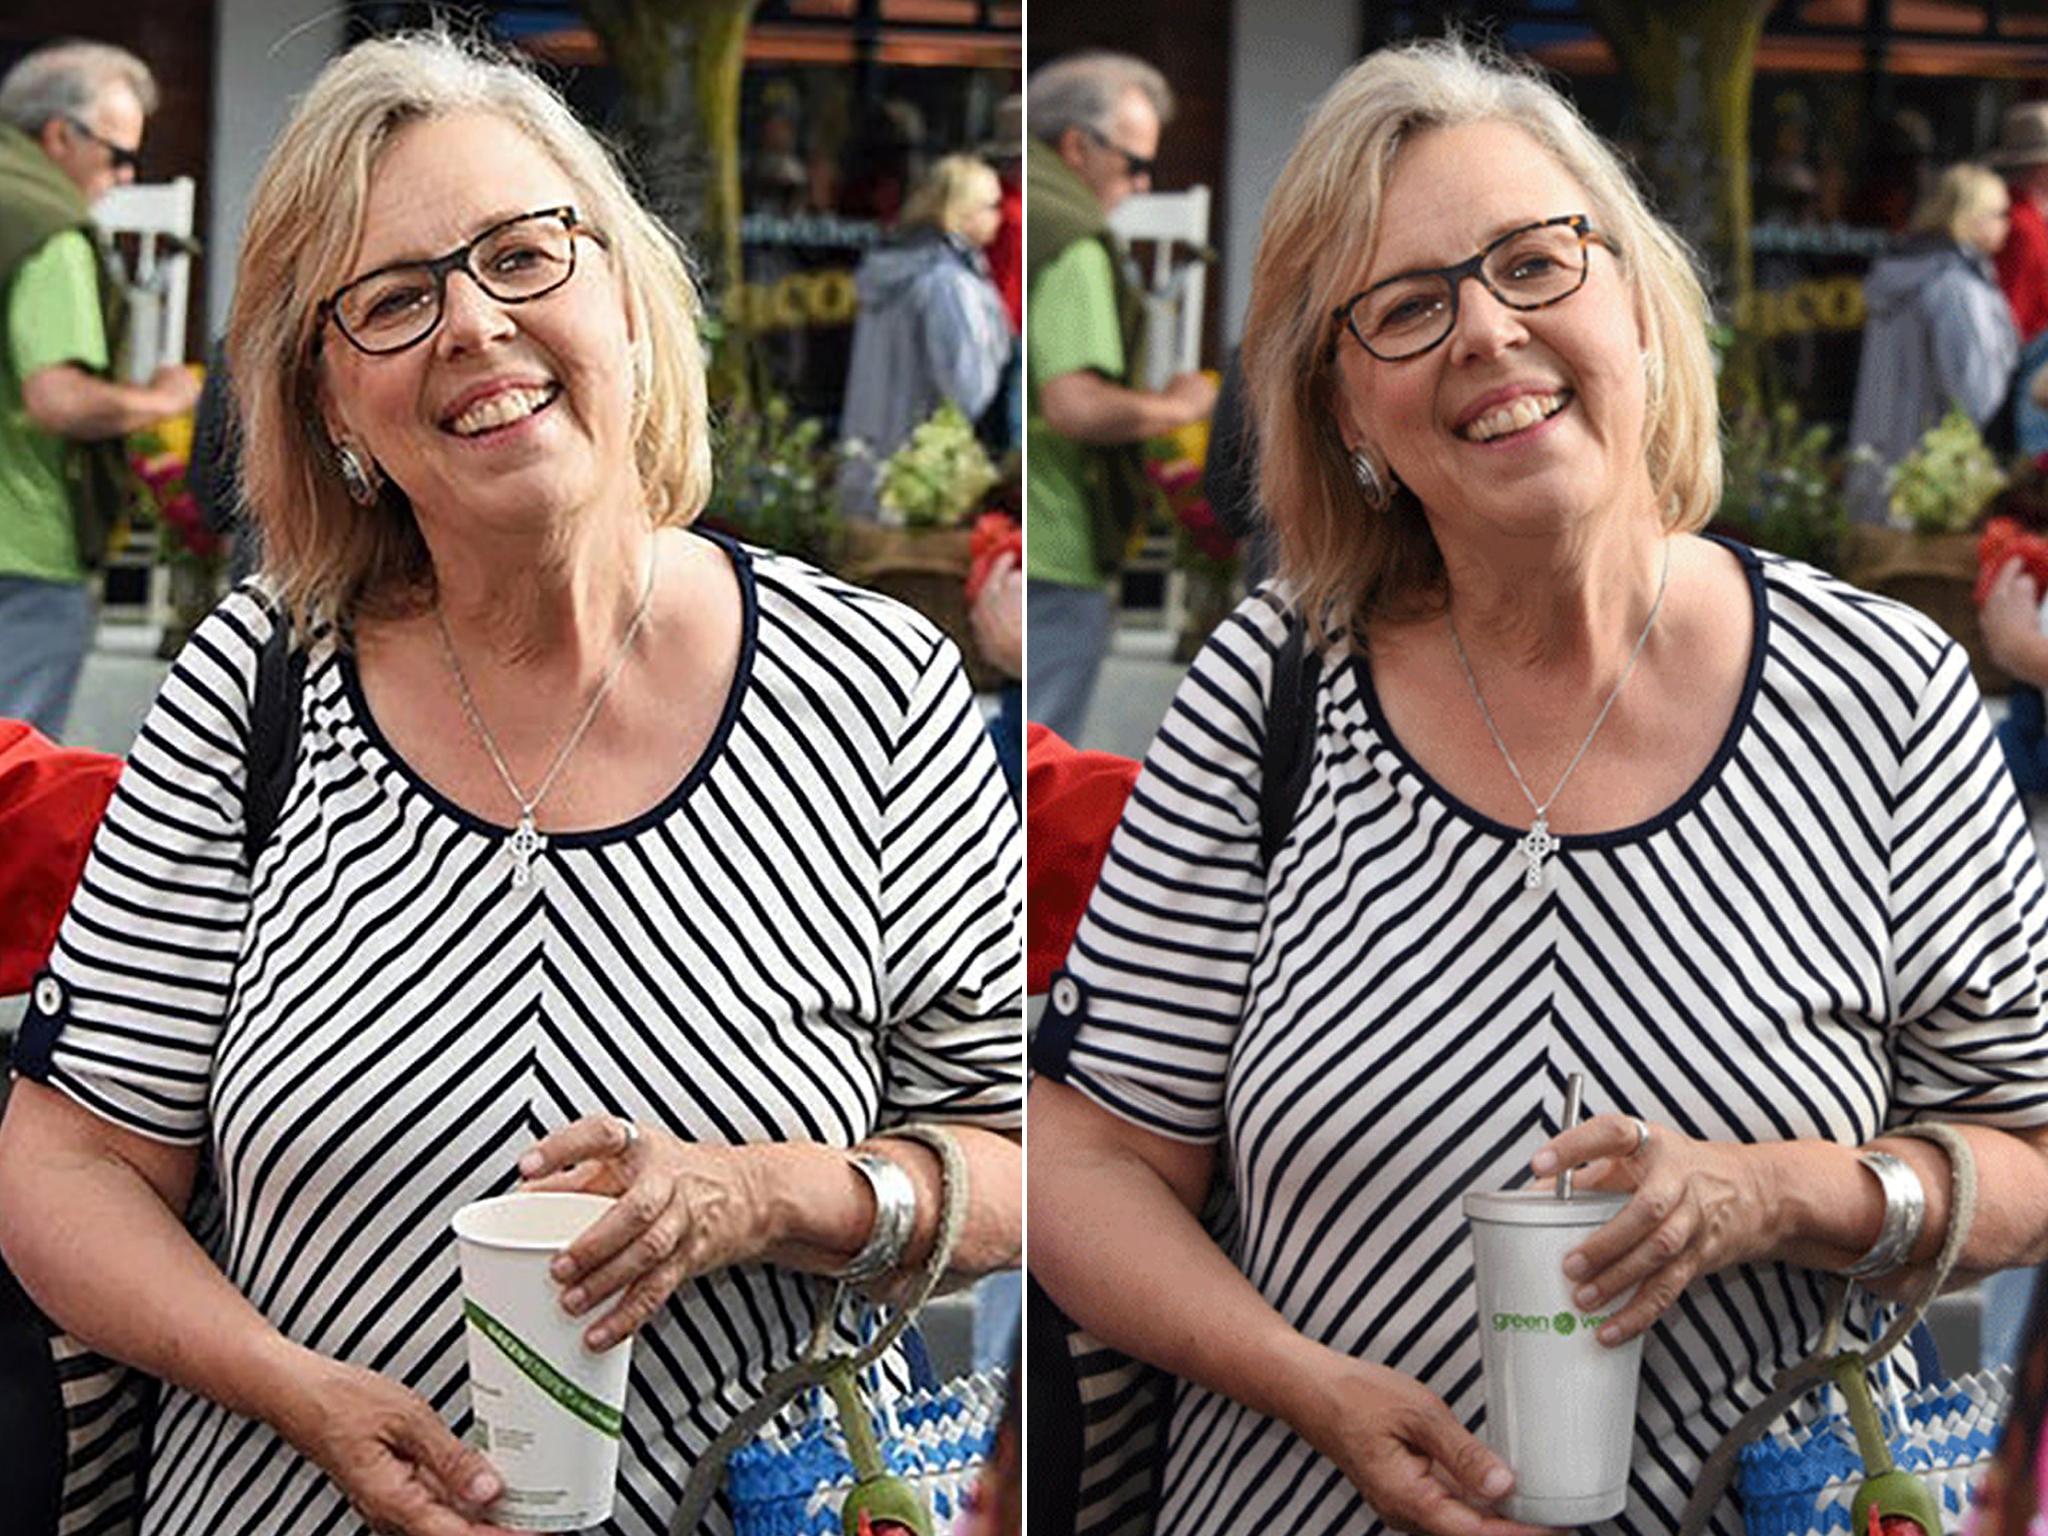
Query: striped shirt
[
  {"x": 1837, "y": 928},
  {"x": 814, "y": 935}
]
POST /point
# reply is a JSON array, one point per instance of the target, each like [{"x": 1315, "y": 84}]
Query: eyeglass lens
[
  {"x": 517, "y": 261},
  {"x": 1134, "y": 165},
  {"x": 122, "y": 159},
  {"x": 1529, "y": 269}
]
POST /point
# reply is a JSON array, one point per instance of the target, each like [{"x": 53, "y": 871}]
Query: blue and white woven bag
[
  {"x": 792, "y": 1478},
  {"x": 1799, "y": 1482},
  {"x": 822, "y": 1427},
  {"x": 1801, "y": 1479}
]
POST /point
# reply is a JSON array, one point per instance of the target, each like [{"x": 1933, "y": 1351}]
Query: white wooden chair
[
  {"x": 151, "y": 229},
  {"x": 1175, "y": 226}
]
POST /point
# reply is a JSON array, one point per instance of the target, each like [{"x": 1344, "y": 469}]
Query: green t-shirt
[
  {"x": 1072, "y": 328},
  {"x": 53, "y": 316}
]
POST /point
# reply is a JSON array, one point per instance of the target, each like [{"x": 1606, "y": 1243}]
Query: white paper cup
[
  {"x": 1560, "y": 1405},
  {"x": 547, "y": 1409}
]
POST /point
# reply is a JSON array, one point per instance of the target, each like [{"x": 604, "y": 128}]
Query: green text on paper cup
[{"x": 600, "y": 1416}]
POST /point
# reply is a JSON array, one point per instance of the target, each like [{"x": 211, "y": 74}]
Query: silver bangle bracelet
[
  {"x": 1905, "y": 1214},
  {"x": 895, "y": 1219}
]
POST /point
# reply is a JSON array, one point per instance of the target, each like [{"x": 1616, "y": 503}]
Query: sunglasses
[
  {"x": 1134, "y": 165},
  {"x": 124, "y": 159}
]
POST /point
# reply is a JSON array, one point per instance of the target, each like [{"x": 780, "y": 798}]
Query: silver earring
[
  {"x": 1369, "y": 479},
  {"x": 362, "y": 490}
]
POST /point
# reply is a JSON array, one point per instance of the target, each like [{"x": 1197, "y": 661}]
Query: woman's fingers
[
  {"x": 655, "y": 1245},
  {"x": 1604, "y": 1136},
  {"x": 461, "y": 1469},
  {"x": 1663, "y": 1245},
  {"x": 647, "y": 1296},
  {"x": 594, "y": 1136},
  {"x": 592, "y": 1178},
  {"x": 617, "y": 1230},
  {"x": 1469, "y": 1474}
]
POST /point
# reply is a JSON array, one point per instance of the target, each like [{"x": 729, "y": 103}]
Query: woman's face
[
  {"x": 1987, "y": 227},
  {"x": 984, "y": 215},
  {"x": 1438, "y": 418},
  {"x": 508, "y": 415}
]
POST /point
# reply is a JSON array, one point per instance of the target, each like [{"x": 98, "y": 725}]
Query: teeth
[
  {"x": 1519, "y": 414},
  {"x": 500, "y": 410}
]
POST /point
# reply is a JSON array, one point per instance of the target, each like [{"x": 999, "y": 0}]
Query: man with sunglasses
[
  {"x": 1095, "y": 121},
  {"x": 71, "y": 119}
]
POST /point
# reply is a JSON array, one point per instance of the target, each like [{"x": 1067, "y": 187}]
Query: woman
[
  {"x": 1775, "y": 896},
  {"x": 931, "y": 327},
  {"x": 615, "y": 858},
  {"x": 1940, "y": 334}
]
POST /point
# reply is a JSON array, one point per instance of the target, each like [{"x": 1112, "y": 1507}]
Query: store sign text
[
  {"x": 1818, "y": 304},
  {"x": 800, "y": 301}
]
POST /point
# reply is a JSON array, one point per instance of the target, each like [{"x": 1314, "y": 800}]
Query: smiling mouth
[
  {"x": 504, "y": 409},
  {"x": 1518, "y": 415}
]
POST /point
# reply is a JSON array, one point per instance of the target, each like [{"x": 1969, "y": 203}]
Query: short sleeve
[
  {"x": 952, "y": 914},
  {"x": 53, "y": 308},
  {"x": 1969, "y": 922},
  {"x": 1073, "y": 325},
  {"x": 1145, "y": 1015},
  {"x": 126, "y": 1017}
]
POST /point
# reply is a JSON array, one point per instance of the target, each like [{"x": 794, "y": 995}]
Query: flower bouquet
[
  {"x": 772, "y": 481},
  {"x": 194, "y": 555},
  {"x": 939, "y": 475},
  {"x": 1205, "y": 552},
  {"x": 922, "y": 550}
]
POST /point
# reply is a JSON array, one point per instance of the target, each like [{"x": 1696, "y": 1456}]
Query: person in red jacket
[
  {"x": 2022, "y": 153},
  {"x": 51, "y": 799}
]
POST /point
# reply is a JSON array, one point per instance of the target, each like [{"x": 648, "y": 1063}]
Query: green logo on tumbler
[
  {"x": 1563, "y": 1324},
  {"x": 600, "y": 1416}
]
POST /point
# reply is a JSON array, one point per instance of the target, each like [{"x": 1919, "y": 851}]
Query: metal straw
[{"x": 1574, "y": 1091}]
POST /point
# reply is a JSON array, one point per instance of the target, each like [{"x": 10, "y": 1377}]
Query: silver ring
[
  {"x": 632, "y": 1134},
  {"x": 1642, "y": 1138}
]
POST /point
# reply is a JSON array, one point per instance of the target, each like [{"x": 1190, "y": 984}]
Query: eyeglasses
[
  {"x": 1529, "y": 268},
  {"x": 1134, "y": 165},
  {"x": 123, "y": 159},
  {"x": 401, "y": 305}
]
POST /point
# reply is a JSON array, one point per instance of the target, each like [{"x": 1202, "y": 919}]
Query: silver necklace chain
[
  {"x": 526, "y": 843},
  {"x": 1537, "y": 844}
]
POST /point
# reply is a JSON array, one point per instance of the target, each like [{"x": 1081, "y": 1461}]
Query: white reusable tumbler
[
  {"x": 548, "y": 1410},
  {"x": 1560, "y": 1405}
]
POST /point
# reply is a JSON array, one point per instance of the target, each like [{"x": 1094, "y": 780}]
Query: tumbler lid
[{"x": 1542, "y": 1208}]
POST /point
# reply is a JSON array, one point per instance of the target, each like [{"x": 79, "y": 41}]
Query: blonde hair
[
  {"x": 951, "y": 192},
  {"x": 1348, "y": 561},
  {"x": 1965, "y": 192},
  {"x": 330, "y": 558}
]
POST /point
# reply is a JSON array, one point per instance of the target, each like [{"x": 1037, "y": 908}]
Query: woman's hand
[
  {"x": 388, "y": 1451},
  {"x": 1699, "y": 1207},
  {"x": 684, "y": 1209},
  {"x": 1401, "y": 1446},
  {"x": 2011, "y": 616},
  {"x": 997, "y": 617}
]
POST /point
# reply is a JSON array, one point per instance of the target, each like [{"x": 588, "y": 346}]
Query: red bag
[
  {"x": 51, "y": 801},
  {"x": 1074, "y": 800}
]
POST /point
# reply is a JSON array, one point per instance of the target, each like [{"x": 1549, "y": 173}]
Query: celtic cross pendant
[
  {"x": 1536, "y": 845},
  {"x": 524, "y": 845}
]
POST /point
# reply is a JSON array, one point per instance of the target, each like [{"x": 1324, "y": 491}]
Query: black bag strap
[
  {"x": 273, "y": 734},
  {"x": 1288, "y": 755}
]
